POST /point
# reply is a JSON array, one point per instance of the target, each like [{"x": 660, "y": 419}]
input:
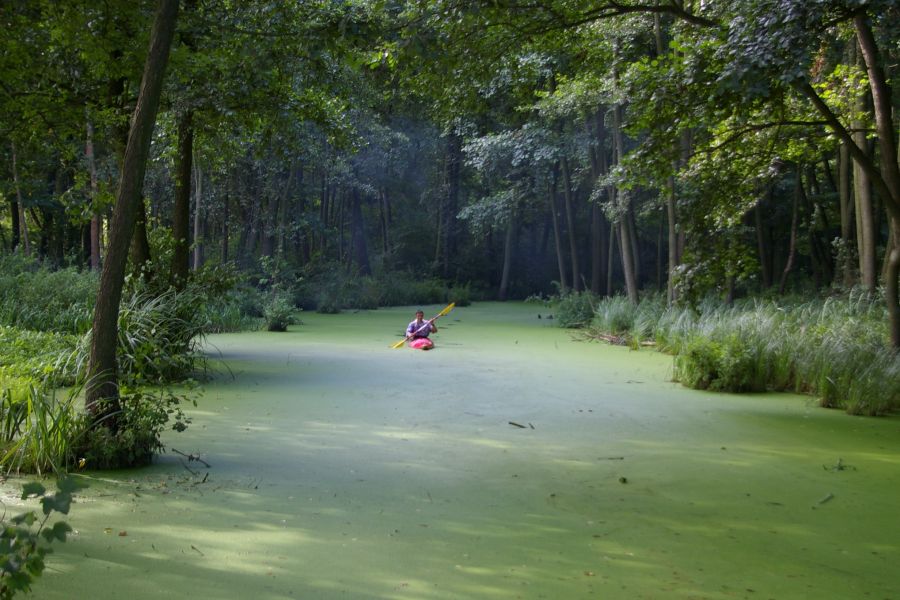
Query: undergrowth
[{"x": 834, "y": 348}]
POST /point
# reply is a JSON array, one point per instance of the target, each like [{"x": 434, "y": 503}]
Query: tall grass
[
  {"x": 834, "y": 348},
  {"x": 38, "y": 430},
  {"x": 40, "y": 299}
]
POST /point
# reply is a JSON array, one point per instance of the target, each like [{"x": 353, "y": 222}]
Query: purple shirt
[{"x": 420, "y": 330}]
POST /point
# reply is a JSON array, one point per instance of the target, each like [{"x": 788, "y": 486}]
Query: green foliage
[
  {"x": 833, "y": 348},
  {"x": 329, "y": 288},
  {"x": 576, "y": 309},
  {"x": 279, "y": 312},
  {"x": 36, "y": 355},
  {"x": 37, "y": 430},
  {"x": 23, "y": 547},
  {"x": 136, "y": 435},
  {"x": 228, "y": 302},
  {"x": 37, "y": 298}
]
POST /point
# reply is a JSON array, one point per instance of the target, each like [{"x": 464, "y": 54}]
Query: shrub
[
  {"x": 279, "y": 313},
  {"x": 136, "y": 436},
  {"x": 576, "y": 309},
  {"x": 37, "y": 298},
  {"x": 833, "y": 348}
]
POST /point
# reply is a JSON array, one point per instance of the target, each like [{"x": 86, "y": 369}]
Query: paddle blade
[
  {"x": 446, "y": 310},
  {"x": 398, "y": 344}
]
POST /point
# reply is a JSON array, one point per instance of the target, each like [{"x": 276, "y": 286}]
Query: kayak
[{"x": 421, "y": 344}]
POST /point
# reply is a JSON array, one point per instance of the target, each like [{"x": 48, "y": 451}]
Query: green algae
[{"x": 343, "y": 469}]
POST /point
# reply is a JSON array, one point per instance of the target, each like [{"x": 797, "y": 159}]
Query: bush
[
  {"x": 278, "y": 313},
  {"x": 576, "y": 309},
  {"x": 36, "y": 298},
  {"x": 136, "y": 436},
  {"x": 36, "y": 355},
  {"x": 833, "y": 348}
]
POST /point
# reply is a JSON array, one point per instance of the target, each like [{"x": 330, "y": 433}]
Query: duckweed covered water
[{"x": 509, "y": 462}]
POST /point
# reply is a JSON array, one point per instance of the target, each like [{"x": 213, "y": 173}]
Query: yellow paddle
[{"x": 425, "y": 324}]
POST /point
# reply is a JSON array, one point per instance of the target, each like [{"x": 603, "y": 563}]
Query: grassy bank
[{"x": 833, "y": 348}]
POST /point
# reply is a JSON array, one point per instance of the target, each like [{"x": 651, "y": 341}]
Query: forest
[
  {"x": 718, "y": 179},
  {"x": 178, "y": 168}
]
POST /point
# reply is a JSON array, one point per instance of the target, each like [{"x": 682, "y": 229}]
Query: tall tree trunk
[
  {"x": 449, "y": 226},
  {"x": 360, "y": 247},
  {"x": 570, "y": 223},
  {"x": 557, "y": 235},
  {"x": 764, "y": 241},
  {"x": 503, "y": 293},
  {"x": 865, "y": 225},
  {"x": 626, "y": 243},
  {"x": 20, "y": 206},
  {"x": 845, "y": 195},
  {"x": 226, "y": 204},
  {"x": 599, "y": 226},
  {"x": 181, "y": 212},
  {"x": 672, "y": 225},
  {"x": 385, "y": 210},
  {"x": 198, "y": 216},
  {"x": 102, "y": 387},
  {"x": 795, "y": 218},
  {"x": 95, "y": 226}
]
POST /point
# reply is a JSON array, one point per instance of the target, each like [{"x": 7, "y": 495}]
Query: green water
[{"x": 343, "y": 469}]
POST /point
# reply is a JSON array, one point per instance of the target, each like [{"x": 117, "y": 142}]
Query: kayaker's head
[{"x": 420, "y": 315}]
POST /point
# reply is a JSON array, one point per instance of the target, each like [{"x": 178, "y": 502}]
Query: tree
[{"x": 102, "y": 389}]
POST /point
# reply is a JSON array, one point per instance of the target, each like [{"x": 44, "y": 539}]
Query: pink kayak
[{"x": 421, "y": 344}]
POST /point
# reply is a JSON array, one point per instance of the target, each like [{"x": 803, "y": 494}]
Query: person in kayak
[{"x": 418, "y": 331}]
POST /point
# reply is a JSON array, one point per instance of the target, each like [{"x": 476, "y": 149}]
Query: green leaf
[{"x": 31, "y": 489}]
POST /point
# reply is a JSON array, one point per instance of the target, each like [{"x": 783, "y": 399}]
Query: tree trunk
[
  {"x": 360, "y": 247},
  {"x": 570, "y": 223},
  {"x": 795, "y": 218},
  {"x": 764, "y": 242},
  {"x": 20, "y": 206},
  {"x": 226, "y": 203},
  {"x": 845, "y": 196},
  {"x": 865, "y": 226},
  {"x": 102, "y": 386},
  {"x": 626, "y": 243},
  {"x": 198, "y": 216},
  {"x": 449, "y": 227},
  {"x": 557, "y": 236},
  {"x": 181, "y": 213},
  {"x": 503, "y": 293},
  {"x": 94, "y": 235}
]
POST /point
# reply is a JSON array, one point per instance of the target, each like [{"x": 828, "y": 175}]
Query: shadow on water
[{"x": 509, "y": 462}]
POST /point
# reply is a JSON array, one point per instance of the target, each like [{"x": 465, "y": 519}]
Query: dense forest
[{"x": 336, "y": 154}]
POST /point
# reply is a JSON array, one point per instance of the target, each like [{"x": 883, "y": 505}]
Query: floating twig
[
  {"x": 519, "y": 425},
  {"x": 192, "y": 457}
]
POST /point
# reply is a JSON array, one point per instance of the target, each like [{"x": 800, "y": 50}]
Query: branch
[{"x": 843, "y": 133}]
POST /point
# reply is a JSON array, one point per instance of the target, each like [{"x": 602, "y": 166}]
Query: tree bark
[
  {"x": 360, "y": 247},
  {"x": 20, "y": 206},
  {"x": 795, "y": 218},
  {"x": 865, "y": 225},
  {"x": 557, "y": 235},
  {"x": 626, "y": 243},
  {"x": 845, "y": 196},
  {"x": 198, "y": 217},
  {"x": 503, "y": 293},
  {"x": 181, "y": 212},
  {"x": 570, "y": 223},
  {"x": 95, "y": 226},
  {"x": 102, "y": 386}
]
